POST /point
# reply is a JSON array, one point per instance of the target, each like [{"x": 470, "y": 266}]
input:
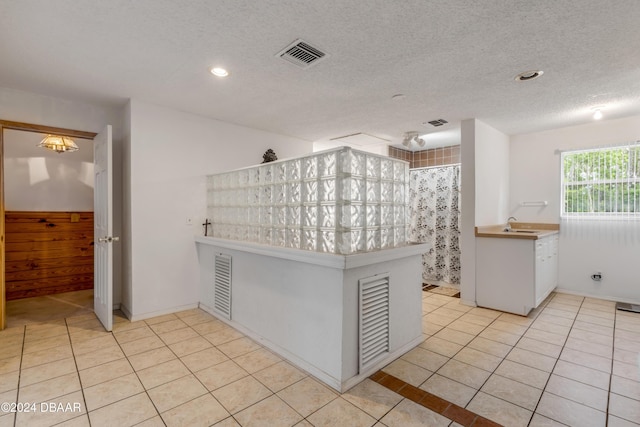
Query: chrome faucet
[{"x": 508, "y": 227}]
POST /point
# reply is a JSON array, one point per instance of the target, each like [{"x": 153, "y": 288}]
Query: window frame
[{"x": 626, "y": 215}]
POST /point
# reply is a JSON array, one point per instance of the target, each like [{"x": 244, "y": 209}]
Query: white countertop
[
  {"x": 519, "y": 230},
  {"x": 318, "y": 258}
]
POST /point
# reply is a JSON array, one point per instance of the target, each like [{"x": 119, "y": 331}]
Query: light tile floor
[
  {"x": 573, "y": 361},
  {"x": 50, "y": 307}
]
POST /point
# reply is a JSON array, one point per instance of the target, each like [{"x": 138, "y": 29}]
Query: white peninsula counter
[{"x": 338, "y": 317}]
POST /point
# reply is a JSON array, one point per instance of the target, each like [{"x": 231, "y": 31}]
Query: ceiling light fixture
[
  {"x": 597, "y": 112},
  {"x": 412, "y": 138},
  {"x": 528, "y": 75},
  {"x": 59, "y": 144},
  {"x": 406, "y": 141},
  {"x": 219, "y": 72}
]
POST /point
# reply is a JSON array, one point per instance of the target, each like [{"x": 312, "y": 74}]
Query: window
[{"x": 602, "y": 182}]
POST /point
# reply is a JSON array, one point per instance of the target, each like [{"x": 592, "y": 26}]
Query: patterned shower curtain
[{"x": 434, "y": 211}]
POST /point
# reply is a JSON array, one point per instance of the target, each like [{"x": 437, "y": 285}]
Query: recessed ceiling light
[
  {"x": 529, "y": 75},
  {"x": 219, "y": 72}
]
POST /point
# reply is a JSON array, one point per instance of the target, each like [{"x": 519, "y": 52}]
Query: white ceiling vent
[{"x": 301, "y": 54}]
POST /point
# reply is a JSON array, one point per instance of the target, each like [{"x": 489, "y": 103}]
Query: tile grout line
[
  {"x": 558, "y": 358},
  {"x": 73, "y": 354},
  {"x": 577, "y": 312},
  {"x": 307, "y": 375},
  {"x": 198, "y": 379},
  {"x": 463, "y": 347},
  {"x": 613, "y": 349},
  {"x": 146, "y": 391},
  {"x": 579, "y": 364},
  {"x": 180, "y": 360},
  {"x": 514, "y": 346},
  {"x": 232, "y": 416},
  {"x": 124, "y": 398},
  {"x": 407, "y": 390},
  {"x": 606, "y": 412},
  {"x": 231, "y": 359},
  {"x": 503, "y": 358},
  {"x": 556, "y": 362},
  {"x": 24, "y": 339}
]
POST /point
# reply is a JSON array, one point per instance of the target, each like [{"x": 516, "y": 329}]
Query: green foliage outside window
[{"x": 602, "y": 182}]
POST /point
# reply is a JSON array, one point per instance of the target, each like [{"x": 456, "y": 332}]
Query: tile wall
[{"x": 432, "y": 157}]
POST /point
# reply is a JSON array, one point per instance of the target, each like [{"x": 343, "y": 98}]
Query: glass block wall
[{"x": 340, "y": 201}]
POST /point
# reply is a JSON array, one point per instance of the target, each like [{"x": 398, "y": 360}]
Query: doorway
[{"x": 44, "y": 174}]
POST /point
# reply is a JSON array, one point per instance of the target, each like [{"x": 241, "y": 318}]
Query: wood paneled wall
[{"x": 47, "y": 253}]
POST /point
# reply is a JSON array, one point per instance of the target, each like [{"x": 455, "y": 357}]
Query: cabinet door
[
  {"x": 546, "y": 254},
  {"x": 553, "y": 257},
  {"x": 505, "y": 274},
  {"x": 541, "y": 269}
]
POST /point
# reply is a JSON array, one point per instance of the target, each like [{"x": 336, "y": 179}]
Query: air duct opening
[{"x": 301, "y": 54}]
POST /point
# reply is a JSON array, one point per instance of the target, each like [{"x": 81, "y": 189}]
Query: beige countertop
[{"x": 519, "y": 230}]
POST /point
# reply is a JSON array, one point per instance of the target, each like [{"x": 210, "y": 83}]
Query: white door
[{"x": 103, "y": 228}]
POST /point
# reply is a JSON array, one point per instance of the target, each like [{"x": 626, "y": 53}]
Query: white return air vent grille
[
  {"x": 374, "y": 319},
  {"x": 301, "y": 54},
  {"x": 222, "y": 286}
]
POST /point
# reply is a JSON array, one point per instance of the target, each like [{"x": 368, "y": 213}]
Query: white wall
[
  {"x": 26, "y": 107},
  {"x": 381, "y": 149},
  {"x": 170, "y": 152},
  {"x": 468, "y": 212},
  {"x": 127, "y": 285},
  {"x": 492, "y": 175},
  {"x": 484, "y": 156},
  {"x": 38, "y": 179},
  {"x": 612, "y": 247}
]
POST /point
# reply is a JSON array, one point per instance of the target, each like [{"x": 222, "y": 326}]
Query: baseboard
[
  {"x": 126, "y": 311},
  {"x": 604, "y": 297},
  {"x": 290, "y": 357},
  {"x": 468, "y": 303},
  {"x": 326, "y": 378},
  {"x": 136, "y": 317},
  {"x": 381, "y": 364}
]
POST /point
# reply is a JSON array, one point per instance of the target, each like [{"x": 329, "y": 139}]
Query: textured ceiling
[{"x": 452, "y": 60}]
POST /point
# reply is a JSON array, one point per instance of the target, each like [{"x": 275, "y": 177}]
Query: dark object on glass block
[{"x": 269, "y": 156}]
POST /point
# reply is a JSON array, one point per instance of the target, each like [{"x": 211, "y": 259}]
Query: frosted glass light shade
[{"x": 59, "y": 144}]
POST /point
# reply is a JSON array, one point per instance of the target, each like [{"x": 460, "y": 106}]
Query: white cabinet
[
  {"x": 515, "y": 275},
  {"x": 546, "y": 253}
]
